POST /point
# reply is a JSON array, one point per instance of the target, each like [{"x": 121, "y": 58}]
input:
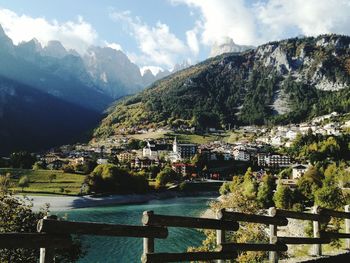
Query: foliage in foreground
[
  {"x": 16, "y": 216},
  {"x": 238, "y": 201}
]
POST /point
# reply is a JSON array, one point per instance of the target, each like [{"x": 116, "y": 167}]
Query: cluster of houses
[
  {"x": 284, "y": 135},
  {"x": 160, "y": 152}
]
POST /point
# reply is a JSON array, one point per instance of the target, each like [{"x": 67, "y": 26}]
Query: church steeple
[{"x": 175, "y": 145}]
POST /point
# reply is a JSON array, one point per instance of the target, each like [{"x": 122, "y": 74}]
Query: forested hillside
[{"x": 279, "y": 82}]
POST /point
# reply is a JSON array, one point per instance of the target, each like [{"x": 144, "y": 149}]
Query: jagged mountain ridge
[
  {"x": 86, "y": 85},
  {"x": 307, "y": 76},
  {"x": 106, "y": 72}
]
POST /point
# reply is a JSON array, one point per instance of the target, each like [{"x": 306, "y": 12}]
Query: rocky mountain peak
[
  {"x": 227, "y": 45},
  {"x": 55, "y": 49},
  {"x": 6, "y": 44}
]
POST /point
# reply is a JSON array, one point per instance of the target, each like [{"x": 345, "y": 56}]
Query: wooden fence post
[
  {"x": 273, "y": 257},
  {"x": 47, "y": 255},
  {"x": 347, "y": 228},
  {"x": 220, "y": 237},
  {"x": 316, "y": 230},
  {"x": 148, "y": 243}
]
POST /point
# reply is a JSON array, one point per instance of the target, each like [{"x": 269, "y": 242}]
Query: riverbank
[{"x": 62, "y": 203}]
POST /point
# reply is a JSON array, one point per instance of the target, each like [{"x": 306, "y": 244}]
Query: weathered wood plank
[
  {"x": 241, "y": 217},
  {"x": 347, "y": 227},
  {"x": 227, "y": 247},
  {"x": 190, "y": 222},
  {"x": 301, "y": 216},
  {"x": 89, "y": 228},
  {"x": 34, "y": 240},
  {"x": 273, "y": 256},
  {"x": 188, "y": 256},
  {"x": 303, "y": 240},
  {"x": 334, "y": 235},
  {"x": 316, "y": 230},
  {"x": 333, "y": 213}
]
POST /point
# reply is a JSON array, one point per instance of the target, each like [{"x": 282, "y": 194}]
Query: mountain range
[
  {"x": 279, "y": 82},
  {"x": 33, "y": 76}
]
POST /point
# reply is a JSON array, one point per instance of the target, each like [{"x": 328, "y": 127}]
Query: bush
[{"x": 23, "y": 182}]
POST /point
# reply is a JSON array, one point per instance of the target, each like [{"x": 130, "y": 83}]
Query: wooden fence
[{"x": 53, "y": 233}]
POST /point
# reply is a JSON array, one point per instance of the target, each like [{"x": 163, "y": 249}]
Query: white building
[
  {"x": 155, "y": 151},
  {"x": 240, "y": 154},
  {"x": 102, "y": 161},
  {"x": 291, "y": 135},
  {"x": 182, "y": 151},
  {"x": 277, "y": 141},
  {"x": 299, "y": 170}
]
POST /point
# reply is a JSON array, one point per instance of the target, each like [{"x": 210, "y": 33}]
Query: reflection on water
[{"x": 117, "y": 249}]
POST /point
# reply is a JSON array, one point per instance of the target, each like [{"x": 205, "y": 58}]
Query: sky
[{"x": 159, "y": 33}]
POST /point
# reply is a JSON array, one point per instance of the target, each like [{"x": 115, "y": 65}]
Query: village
[{"x": 215, "y": 160}]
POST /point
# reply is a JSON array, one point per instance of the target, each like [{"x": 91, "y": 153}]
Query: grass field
[
  {"x": 196, "y": 138},
  {"x": 65, "y": 183},
  {"x": 149, "y": 135}
]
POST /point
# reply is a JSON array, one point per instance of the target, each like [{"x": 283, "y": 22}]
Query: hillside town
[{"x": 215, "y": 160}]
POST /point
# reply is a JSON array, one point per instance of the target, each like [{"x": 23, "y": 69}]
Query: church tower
[{"x": 175, "y": 149}]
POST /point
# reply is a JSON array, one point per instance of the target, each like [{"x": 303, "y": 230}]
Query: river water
[{"x": 128, "y": 250}]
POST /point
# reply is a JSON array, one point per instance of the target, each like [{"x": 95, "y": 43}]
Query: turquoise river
[{"x": 128, "y": 250}]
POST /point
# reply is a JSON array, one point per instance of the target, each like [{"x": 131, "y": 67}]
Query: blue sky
[{"x": 161, "y": 33}]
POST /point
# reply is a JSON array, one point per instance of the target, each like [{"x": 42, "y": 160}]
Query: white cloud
[
  {"x": 223, "y": 18},
  {"x": 258, "y": 21},
  {"x": 113, "y": 45},
  {"x": 192, "y": 39},
  {"x": 78, "y": 35},
  {"x": 311, "y": 18},
  {"x": 158, "y": 45}
]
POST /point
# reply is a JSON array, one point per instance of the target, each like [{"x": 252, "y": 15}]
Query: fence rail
[{"x": 53, "y": 233}]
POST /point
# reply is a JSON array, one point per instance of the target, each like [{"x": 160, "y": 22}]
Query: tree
[
  {"x": 309, "y": 183},
  {"x": 22, "y": 160},
  {"x": 39, "y": 165},
  {"x": 247, "y": 233},
  {"x": 109, "y": 178},
  {"x": 329, "y": 196},
  {"x": 23, "y": 182},
  {"x": 283, "y": 197},
  {"x": 52, "y": 177},
  {"x": 265, "y": 191},
  {"x": 17, "y": 216},
  {"x": 250, "y": 186},
  {"x": 4, "y": 182},
  {"x": 165, "y": 176}
]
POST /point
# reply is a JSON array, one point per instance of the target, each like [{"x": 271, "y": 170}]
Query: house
[
  {"x": 277, "y": 160},
  {"x": 291, "y": 135},
  {"x": 298, "y": 170},
  {"x": 184, "y": 151},
  {"x": 153, "y": 150},
  {"x": 102, "y": 161},
  {"x": 185, "y": 169},
  {"x": 126, "y": 157},
  {"x": 56, "y": 164},
  {"x": 142, "y": 163},
  {"x": 261, "y": 159},
  {"x": 241, "y": 154},
  {"x": 277, "y": 140}
]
